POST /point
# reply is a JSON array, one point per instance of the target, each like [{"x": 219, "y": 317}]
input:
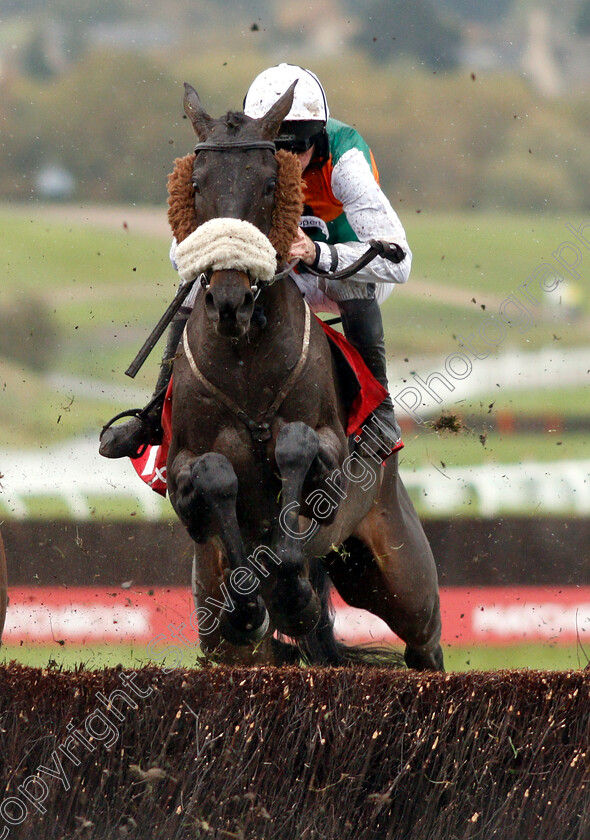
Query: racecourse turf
[{"x": 549, "y": 657}]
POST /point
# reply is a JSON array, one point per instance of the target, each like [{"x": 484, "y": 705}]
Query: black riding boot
[
  {"x": 363, "y": 327},
  {"x": 126, "y": 440}
]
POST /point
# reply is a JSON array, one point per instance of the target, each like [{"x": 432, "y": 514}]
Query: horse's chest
[{"x": 251, "y": 460}]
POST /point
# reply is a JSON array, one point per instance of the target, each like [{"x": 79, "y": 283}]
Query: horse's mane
[
  {"x": 234, "y": 120},
  {"x": 288, "y": 199}
]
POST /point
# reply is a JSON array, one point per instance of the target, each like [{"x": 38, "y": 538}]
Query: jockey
[{"x": 344, "y": 208}]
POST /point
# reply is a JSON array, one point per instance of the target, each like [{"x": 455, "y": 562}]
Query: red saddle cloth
[
  {"x": 151, "y": 466},
  {"x": 361, "y": 391}
]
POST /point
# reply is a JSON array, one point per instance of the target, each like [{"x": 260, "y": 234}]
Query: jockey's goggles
[{"x": 298, "y": 137}]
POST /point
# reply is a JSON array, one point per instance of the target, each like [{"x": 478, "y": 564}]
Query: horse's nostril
[
  {"x": 210, "y": 307},
  {"x": 245, "y": 309}
]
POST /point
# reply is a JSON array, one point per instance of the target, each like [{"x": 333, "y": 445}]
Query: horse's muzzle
[{"x": 229, "y": 302}]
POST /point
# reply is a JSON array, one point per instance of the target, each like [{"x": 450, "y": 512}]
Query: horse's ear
[
  {"x": 271, "y": 121},
  {"x": 196, "y": 113}
]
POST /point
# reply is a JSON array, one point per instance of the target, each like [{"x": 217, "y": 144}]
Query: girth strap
[{"x": 260, "y": 431}]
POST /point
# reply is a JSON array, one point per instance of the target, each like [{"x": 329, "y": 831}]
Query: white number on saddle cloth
[{"x": 151, "y": 467}]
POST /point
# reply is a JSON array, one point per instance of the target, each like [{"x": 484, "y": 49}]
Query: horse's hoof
[
  {"x": 419, "y": 660},
  {"x": 244, "y": 636},
  {"x": 300, "y": 623}
]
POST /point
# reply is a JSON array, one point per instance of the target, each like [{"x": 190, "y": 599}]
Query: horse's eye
[
  {"x": 270, "y": 186},
  {"x": 196, "y": 186}
]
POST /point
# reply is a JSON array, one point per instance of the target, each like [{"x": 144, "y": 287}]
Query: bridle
[
  {"x": 229, "y": 145},
  {"x": 205, "y": 279},
  {"x": 245, "y": 145}
]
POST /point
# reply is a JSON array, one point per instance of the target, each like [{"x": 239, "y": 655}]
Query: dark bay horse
[
  {"x": 3, "y": 587},
  {"x": 259, "y": 467}
]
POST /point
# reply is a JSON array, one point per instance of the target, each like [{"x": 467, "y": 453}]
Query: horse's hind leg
[
  {"x": 204, "y": 495},
  {"x": 391, "y": 572}
]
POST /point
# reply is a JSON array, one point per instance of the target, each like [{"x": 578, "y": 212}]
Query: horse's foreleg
[
  {"x": 207, "y": 578},
  {"x": 295, "y": 607},
  {"x": 204, "y": 495}
]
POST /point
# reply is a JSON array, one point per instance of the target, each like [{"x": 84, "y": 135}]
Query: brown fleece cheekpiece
[{"x": 285, "y": 216}]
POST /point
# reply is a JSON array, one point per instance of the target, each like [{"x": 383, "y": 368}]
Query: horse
[
  {"x": 260, "y": 468},
  {"x": 3, "y": 587}
]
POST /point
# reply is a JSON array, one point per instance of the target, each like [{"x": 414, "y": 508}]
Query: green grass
[
  {"x": 533, "y": 656},
  {"x": 32, "y": 411},
  {"x": 79, "y": 261},
  {"x": 465, "y": 448},
  {"x": 474, "y": 658},
  {"x": 488, "y": 257},
  {"x": 571, "y": 401},
  {"x": 70, "y": 657},
  {"x": 102, "y": 291},
  {"x": 111, "y": 509},
  {"x": 418, "y": 325},
  {"x": 116, "y": 508},
  {"x": 485, "y": 253}
]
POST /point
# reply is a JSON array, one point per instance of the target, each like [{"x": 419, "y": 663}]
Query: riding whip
[{"x": 157, "y": 331}]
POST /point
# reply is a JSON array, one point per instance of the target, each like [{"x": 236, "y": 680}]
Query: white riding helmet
[{"x": 309, "y": 101}]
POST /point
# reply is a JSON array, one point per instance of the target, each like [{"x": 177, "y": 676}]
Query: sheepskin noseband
[{"x": 226, "y": 243}]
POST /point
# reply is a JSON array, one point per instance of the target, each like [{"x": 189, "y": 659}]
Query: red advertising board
[{"x": 90, "y": 615}]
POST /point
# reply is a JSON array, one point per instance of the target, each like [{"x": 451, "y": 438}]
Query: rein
[
  {"x": 377, "y": 248},
  {"x": 260, "y": 431}
]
